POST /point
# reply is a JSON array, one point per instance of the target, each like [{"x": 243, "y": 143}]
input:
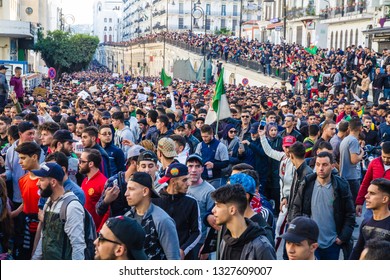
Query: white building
[
  {"x": 106, "y": 20},
  {"x": 327, "y": 23},
  {"x": 142, "y": 17},
  {"x": 19, "y": 24}
]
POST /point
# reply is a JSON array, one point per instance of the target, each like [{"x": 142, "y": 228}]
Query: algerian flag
[
  {"x": 312, "y": 50},
  {"x": 165, "y": 79},
  {"x": 219, "y": 108}
]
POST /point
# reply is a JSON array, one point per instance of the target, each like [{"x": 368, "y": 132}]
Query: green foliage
[
  {"x": 223, "y": 31},
  {"x": 66, "y": 52}
]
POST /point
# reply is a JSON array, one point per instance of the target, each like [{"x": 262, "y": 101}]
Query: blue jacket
[
  {"x": 105, "y": 165},
  {"x": 117, "y": 158}
]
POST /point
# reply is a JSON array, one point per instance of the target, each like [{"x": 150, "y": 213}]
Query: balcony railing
[{"x": 329, "y": 13}]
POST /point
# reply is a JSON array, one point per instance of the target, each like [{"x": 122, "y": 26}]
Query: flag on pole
[
  {"x": 165, "y": 79},
  {"x": 219, "y": 108},
  {"x": 312, "y": 50}
]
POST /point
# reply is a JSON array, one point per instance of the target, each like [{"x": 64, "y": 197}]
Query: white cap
[{"x": 284, "y": 103}]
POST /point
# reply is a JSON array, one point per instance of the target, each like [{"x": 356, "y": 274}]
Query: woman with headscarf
[
  {"x": 232, "y": 142},
  {"x": 275, "y": 141}
]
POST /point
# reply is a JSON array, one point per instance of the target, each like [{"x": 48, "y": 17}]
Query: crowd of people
[
  {"x": 356, "y": 69},
  {"x": 119, "y": 167}
]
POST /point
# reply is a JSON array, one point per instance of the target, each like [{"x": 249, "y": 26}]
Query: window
[
  {"x": 208, "y": 9},
  {"x": 235, "y": 10},
  {"x": 110, "y": 28},
  {"x": 223, "y": 23},
  {"x": 208, "y": 24},
  {"x": 181, "y": 9},
  {"x": 356, "y": 37},
  {"x": 110, "y": 20},
  {"x": 234, "y": 25},
  {"x": 223, "y": 10},
  {"x": 181, "y": 23},
  {"x": 351, "y": 38},
  {"x": 105, "y": 28},
  {"x": 336, "y": 40},
  {"x": 331, "y": 39},
  {"x": 105, "y": 19}
]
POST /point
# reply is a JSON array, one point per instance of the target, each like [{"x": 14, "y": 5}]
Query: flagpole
[{"x": 219, "y": 110}]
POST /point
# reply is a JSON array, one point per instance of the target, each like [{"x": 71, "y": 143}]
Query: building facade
[
  {"x": 141, "y": 17},
  {"x": 107, "y": 20},
  {"x": 20, "y": 21}
]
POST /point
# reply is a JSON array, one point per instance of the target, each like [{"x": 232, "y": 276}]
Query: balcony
[
  {"x": 16, "y": 29},
  {"x": 299, "y": 13},
  {"x": 359, "y": 11}
]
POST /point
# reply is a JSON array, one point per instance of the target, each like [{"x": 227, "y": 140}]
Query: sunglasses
[
  {"x": 101, "y": 239},
  {"x": 245, "y": 117},
  {"x": 233, "y": 131}
]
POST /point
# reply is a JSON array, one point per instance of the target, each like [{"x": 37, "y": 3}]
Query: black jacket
[
  {"x": 302, "y": 172},
  {"x": 343, "y": 206},
  {"x": 184, "y": 210}
]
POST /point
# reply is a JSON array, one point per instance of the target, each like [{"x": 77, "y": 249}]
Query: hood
[{"x": 251, "y": 232}]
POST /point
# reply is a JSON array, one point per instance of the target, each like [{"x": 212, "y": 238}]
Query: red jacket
[
  {"x": 375, "y": 170},
  {"x": 342, "y": 115}
]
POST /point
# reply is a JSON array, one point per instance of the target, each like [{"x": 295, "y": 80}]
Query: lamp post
[
  {"x": 166, "y": 27},
  {"x": 284, "y": 10},
  {"x": 240, "y": 25},
  {"x": 198, "y": 13}
]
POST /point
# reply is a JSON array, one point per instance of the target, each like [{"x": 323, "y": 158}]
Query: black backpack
[{"x": 89, "y": 228}]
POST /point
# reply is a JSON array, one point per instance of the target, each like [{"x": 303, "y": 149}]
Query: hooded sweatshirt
[{"x": 251, "y": 245}]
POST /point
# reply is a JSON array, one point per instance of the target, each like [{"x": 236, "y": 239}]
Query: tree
[{"x": 66, "y": 52}]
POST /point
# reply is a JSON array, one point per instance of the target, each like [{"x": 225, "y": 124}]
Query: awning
[
  {"x": 379, "y": 30},
  {"x": 273, "y": 25}
]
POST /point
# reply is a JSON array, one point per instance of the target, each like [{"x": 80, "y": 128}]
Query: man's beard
[
  {"x": 85, "y": 170},
  {"x": 45, "y": 193},
  {"x": 65, "y": 151}
]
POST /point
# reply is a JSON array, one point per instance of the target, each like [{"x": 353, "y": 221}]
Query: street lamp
[
  {"x": 198, "y": 13},
  {"x": 283, "y": 87},
  {"x": 239, "y": 32}
]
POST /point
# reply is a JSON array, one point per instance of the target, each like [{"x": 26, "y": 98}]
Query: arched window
[
  {"x": 110, "y": 38},
  {"x": 105, "y": 28},
  {"x": 336, "y": 39},
  {"x": 341, "y": 39},
  {"x": 346, "y": 39},
  {"x": 110, "y": 28}
]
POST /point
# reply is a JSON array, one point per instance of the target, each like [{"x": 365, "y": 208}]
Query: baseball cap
[
  {"x": 55, "y": 109},
  {"x": 167, "y": 147},
  {"x": 130, "y": 233},
  {"x": 254, "y": 127},
  {"x": 135, "y": 151},
  {"x": 106, "y": 115},
  {"x": 2, "y": 67},
  {"x": 145, "y": 180},
  {"x": 50, "y": 169},
  {"x": 187, "y": 104},
  {"x": 178, "y": 125},
  {"x": 174, "y": 170},
  {"x": 246, "y": 181},
  {"x": 24, "y": 126},
  {"x": 288, "y": 141},
  {"x": 63, "y": 135},
  {"x": 71, "y": 119},
  {"x": 190, "y": 118},
  {"x": 148, "y": 156},
  {"x": 195, "y": 157},
  {"x": 301, "y": 228}
]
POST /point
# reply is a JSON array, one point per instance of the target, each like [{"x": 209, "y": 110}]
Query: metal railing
[{"x": 275, "y": 72}]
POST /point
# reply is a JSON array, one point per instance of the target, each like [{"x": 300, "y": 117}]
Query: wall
[{"x": 154, "y": 63}]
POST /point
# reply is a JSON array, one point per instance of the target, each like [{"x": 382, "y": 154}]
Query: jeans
[
  {"x": 3, "y": 100},
  {"x": 354, "y": 186},
  {"x": 330, "y": 253},
  {"x": 376, "y": 92},
  {"x": 386, "y": 93}
]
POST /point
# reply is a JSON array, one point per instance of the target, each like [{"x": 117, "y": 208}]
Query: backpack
[{"x": 89, "y": 227}]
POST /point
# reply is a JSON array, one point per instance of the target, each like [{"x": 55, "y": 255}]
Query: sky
[{"x": 80, "y": 9}]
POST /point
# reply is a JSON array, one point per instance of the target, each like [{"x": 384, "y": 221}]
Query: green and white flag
[{"x": 220, "y": 106}]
